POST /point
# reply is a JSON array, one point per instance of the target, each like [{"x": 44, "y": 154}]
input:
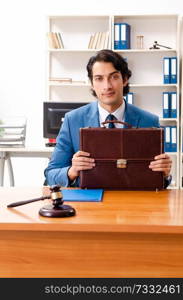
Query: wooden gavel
[{"x": 54, "y": 210}]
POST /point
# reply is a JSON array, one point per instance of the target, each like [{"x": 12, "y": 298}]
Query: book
[
  {"x": 82, "y": 195},
  {"x": 61, "y": 79},
  {"x": 56, "y": 40},
  {"x": 50, "y": 40},
  {"x": 106, "y": 42},
  {"x": 98, "y": 45},
  {"x": 90, "y": 42},
  {"x": 60, "y": 39},
  {"x": 95, "y": 39},
  {"x": 102, "y": 40}
]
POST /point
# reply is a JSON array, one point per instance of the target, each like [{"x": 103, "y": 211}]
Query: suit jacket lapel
[
  {"x": 130, "y": 116},
  {"x": 91, "y": 118}
]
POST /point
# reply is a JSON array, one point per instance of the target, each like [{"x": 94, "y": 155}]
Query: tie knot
[{"x": 111, "y": 117}]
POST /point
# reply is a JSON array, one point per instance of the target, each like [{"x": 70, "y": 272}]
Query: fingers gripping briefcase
[{"x": 122, "y": 157}]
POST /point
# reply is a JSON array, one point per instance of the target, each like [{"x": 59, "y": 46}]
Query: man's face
[{"x": 108, "y": 83}]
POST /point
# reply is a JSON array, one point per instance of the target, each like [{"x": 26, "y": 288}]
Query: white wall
[{"x": 22, "y": 61}]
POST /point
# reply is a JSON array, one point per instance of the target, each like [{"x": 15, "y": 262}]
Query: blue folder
[
  {"x": 117, "y": 35},
  {"x": 166, "y": 70},
  {"x": 167, "y": 139},
  {"x": 83, "y": 195},
  {"x": 124, "y": 36},
  {"x": 166, "y": 105},
  {"x": 173, "y": 104},
  {"x": 173, "y": 67}
]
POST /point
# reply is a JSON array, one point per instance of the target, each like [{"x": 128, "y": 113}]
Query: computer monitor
[{"x": 53, "y": 116}]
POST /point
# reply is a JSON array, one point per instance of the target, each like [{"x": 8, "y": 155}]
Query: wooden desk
[{"x": 129, "y": 234}]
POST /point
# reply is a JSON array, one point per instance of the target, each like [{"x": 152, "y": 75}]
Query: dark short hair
[{"x": 118, "y": 62}]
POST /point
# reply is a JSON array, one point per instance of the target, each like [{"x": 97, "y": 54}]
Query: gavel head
[{"x": 56, "y": 195}]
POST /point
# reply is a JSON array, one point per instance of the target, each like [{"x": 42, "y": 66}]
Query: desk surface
[
  {"x": 129, "y": 234},
  {"x": 26, "y": 149},
  {"x": 120, "y": 211}
]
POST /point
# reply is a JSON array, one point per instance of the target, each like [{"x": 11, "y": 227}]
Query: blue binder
[
  {"x": 124, "y": 36},
  {"x": 167, "y": 139},
  {"x": 173, "y": 76},
  {"x": 173, "y": 104},
  {"x": 166, "y": 105},
  {"x": 117, "y": 27},
  {"x": 173, "y": 139},
  {"x": 166, "y": 70}
]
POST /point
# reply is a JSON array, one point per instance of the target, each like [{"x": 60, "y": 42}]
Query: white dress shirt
[{"x": 118, "y": 113}]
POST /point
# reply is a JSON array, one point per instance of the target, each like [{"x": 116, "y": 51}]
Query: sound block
[{"x": 61, "y": 211}]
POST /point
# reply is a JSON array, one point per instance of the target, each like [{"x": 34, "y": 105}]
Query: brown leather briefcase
[{"x": 122, "y": 157}]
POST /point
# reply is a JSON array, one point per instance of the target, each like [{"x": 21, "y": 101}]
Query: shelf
[
  {"x": 70, "y": 84},
  {"x": 152, "y": 85},
  {"x": 131, "y": 85},
  {"x": 172, "y": 153},
  {"x": 145, "y": 51},
  {"x": 119, "y": 51},
  {"x": 72, "y": 50},
  {"x": 168, "y": 119}
]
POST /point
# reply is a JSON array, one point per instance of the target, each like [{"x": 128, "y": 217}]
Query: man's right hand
[{"x": 81, "y": 161}]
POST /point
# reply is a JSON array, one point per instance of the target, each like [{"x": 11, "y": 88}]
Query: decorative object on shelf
[
  {"x": 54, "y": 210},
  {"x": 157, "y": 46},
  {"x": 140, "y": 42}
]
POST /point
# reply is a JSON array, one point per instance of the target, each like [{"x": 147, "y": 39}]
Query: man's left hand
[{"x": 161, "y": 163}]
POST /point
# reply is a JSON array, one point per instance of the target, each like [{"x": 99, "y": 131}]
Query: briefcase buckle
[{"x": 121, "y": 163}]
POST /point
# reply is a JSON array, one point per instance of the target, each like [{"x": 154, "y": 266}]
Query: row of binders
[
  {"x": 121, "y": 36},
  {"x": 55, "y": 40},
  {"x": 170, "y": 139},
  {"x": 100, "y": 40},
  {"x": 169, "y": 105},
  {"x": 170, "y": 70}
]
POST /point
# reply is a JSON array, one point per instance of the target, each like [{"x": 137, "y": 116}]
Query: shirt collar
[{"x": 118, "y": 113}]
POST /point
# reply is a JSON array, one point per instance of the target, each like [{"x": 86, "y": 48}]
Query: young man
[{"x": 109, "y": 74}]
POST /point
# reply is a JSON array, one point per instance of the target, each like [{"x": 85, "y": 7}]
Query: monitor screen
[{"x": 53, "y": 116}]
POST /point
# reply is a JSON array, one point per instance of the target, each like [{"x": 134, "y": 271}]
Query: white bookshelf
[
  {"x": 146, "y": 65},
  {"x": 72, "y": 60},
  {"x": 181, "y": 130}
]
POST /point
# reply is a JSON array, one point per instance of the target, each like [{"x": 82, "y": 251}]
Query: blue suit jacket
[{"x": 68, "y": 137}]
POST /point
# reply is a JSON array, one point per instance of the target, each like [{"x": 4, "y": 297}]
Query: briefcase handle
[{"x": 117, "y": 121}]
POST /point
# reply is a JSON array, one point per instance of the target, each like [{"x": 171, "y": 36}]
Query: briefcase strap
[{"x": 117, "y": 121}]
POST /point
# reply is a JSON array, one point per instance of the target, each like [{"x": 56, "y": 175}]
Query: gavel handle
[{"x": 28, "y": 201}]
